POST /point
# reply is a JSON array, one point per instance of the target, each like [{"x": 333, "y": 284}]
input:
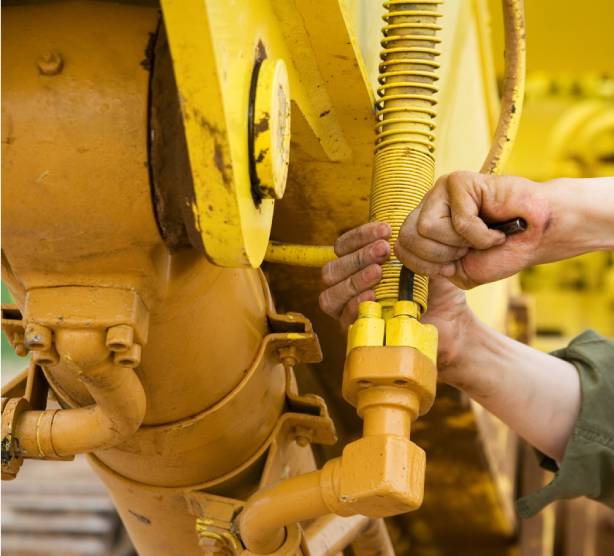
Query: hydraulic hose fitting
[{"x": 405, "y": 139}]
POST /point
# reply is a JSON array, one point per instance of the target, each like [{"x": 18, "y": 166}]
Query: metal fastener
[{"x": 50, "y": 63}]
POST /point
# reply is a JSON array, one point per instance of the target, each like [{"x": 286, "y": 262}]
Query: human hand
[
  {"x": 350, "y": 278},
  {"x": 447, "y": 234}
]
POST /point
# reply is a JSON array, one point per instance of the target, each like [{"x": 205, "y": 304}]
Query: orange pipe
[
  {"x": 268, "y": 511},
  {"x": 117, "y": 414}
]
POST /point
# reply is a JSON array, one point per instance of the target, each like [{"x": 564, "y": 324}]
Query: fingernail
[{"x": 380, "y": 249}]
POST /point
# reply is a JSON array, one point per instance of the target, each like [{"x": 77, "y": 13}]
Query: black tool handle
[{"x": 510, "y": 227}]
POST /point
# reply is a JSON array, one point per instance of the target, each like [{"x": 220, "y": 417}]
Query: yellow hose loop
[
  {"x": 513, "y": 87},
  {"x": 405, "y": 139},
  {"x": 402, "y": 178}
]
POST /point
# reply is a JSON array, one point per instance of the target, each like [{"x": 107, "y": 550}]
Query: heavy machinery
[{"x": 173, "y": 175}]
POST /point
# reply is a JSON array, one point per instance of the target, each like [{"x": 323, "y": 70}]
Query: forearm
[
  {"x": 535, "y": 394},
  {"x": 581, "y": 217}
]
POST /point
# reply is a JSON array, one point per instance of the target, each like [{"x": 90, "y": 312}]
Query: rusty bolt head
[
  {"x": 50, "y": 63},
  {"x": 38, "y": 338}
]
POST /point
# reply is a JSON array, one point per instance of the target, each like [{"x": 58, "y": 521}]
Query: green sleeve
[{"x": 587, "y": 468}]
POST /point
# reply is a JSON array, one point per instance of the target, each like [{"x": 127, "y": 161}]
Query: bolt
[
  {"x": 129, "y": 358},
  {"x": 120, "y": 338},
  {"x": 303, "y": 436},
  {"x": 37, "y": 337},
  {"x": 50, "y": 63},
  {"x": 288, "y": 355}
]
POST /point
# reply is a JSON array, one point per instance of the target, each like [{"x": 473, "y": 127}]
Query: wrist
[
  {"x": 580, "y": 219},
  {"x": 453, "y": 360}
]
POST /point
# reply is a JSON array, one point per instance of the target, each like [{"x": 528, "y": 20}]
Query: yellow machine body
[{"x": 151, "y": 162}]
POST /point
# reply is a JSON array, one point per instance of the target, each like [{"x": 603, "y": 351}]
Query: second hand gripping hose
[{"x": 405, "y": 140}]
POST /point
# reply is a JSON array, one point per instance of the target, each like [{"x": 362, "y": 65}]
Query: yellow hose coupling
[
  {"x": 402, "y": 329},
  {"x": 382, "y": 473}
]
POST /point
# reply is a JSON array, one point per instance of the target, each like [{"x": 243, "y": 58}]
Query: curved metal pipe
[
  {"x": 299, "y": 255},
  {"x": 267, "y": 512},
  {"x": 513, "y": 87},
  {"x": 117, "y": 414}
]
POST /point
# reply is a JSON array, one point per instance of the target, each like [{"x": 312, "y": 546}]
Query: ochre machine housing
[{"x": 156, "y": 167}]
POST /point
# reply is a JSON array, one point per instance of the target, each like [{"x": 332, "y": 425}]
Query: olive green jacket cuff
[{"x": 587, "y": 468}]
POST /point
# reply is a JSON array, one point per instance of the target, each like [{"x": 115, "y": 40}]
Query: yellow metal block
[
  {"x": 407, "y": 331},
  {"x": 379, "y": 476},
  {"x": 231, "y": 43},
  {"x": 390, "y": 366}
]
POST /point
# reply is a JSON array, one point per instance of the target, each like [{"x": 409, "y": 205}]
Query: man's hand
[
  {"x": 349, "y": 280},
  {"x": 447, "y": 234}
]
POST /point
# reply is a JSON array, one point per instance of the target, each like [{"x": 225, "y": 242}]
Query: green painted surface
[{"x": 11, "y": 364}]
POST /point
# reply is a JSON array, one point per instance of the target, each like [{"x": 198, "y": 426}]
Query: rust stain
[
  {"x": 218, "y": 159},
  {"x": 143, "y": 519},
  {"x": 262, "y": 124}
]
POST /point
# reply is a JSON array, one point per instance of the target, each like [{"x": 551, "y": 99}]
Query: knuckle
[
  {"x": 461, "y": 224},
  {"x": 426, "y": 226},
  {"x": 358, "y": 259},
  {"x": 327, "y": 274},
  {"x": 353, "y": 283},
  {"x": 338, "y": 246},
  {"x": 324, "y": 301},
  {"x": 457, "y": 177}
]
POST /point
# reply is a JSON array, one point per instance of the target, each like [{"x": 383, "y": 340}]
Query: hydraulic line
[
  {"x": 513, "y": 87},
  {"x": 299, "y": 255},
  {"x": 405, "y": 140}
]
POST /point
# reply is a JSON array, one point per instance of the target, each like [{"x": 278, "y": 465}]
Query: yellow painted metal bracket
[{"x": 237, "y": 125}]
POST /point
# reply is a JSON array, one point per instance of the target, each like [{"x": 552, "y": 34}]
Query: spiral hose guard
[{"x": 405, "y": 140}]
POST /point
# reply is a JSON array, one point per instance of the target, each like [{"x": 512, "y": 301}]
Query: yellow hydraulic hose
[
  {"x": 299, "y": 255},
  {"x": 405, "y": 141}
]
